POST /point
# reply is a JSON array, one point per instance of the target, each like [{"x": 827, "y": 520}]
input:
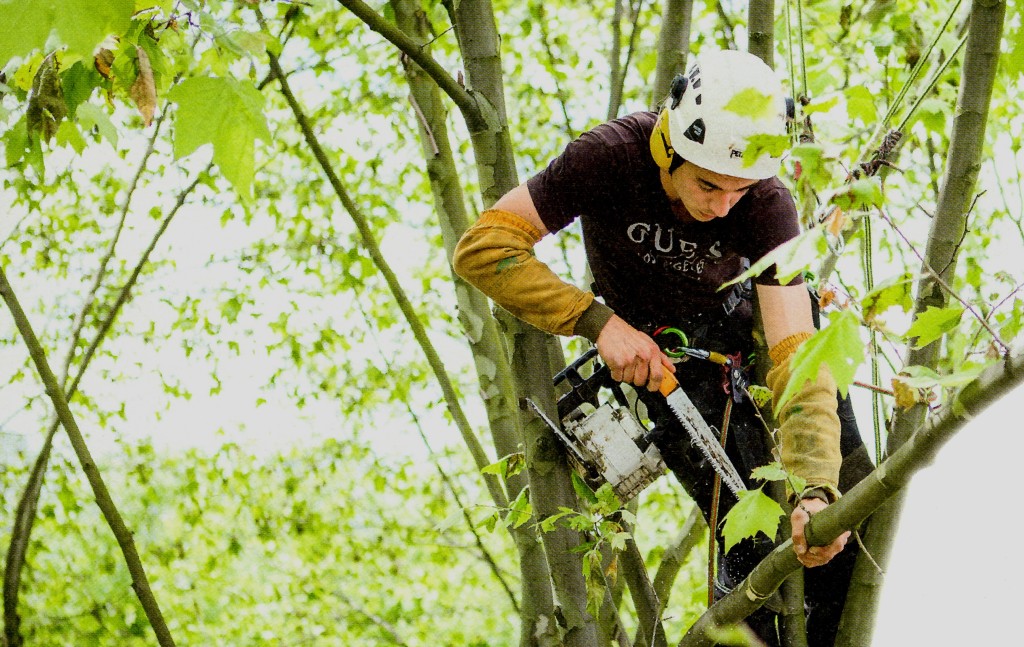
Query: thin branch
[
  {"x": 101, "y": 271},
  {"x": 560, "y": 92},
  {"x": 26, "y": 510},
  {"x": 381, "y": 623},
  {"x": 676, "y": 553},
  {"x": 423, "y": 122},
  {"x": 14, "y": 231},
  {"x": 727, "y": 26},
  {"x": 140, "y": 583},
  {"x": 448, "y": 481},
  {"x": 459, "y": 94},
  {"x": 402, "y": 300},
  {"x": 945, "y": 286}
]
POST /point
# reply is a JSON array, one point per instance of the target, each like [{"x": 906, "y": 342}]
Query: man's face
[{"x": 707, "y": 195}]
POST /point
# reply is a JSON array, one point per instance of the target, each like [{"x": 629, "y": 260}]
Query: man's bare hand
[
  {"x": 631, "y": 355},
  {"x": 811, "y": 556}
]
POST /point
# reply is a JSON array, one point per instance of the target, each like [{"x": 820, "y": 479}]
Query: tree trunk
[
  {"x": 533, "y": 354},
  {"x": 673, "y": 46},
  {"x": 492, "y": 365},
  {"x": 761, "y": 29},
  {"x": 947, "y": 231}
]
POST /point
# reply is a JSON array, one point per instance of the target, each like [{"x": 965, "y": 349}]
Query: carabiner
[{"x": 677, "y": 350}]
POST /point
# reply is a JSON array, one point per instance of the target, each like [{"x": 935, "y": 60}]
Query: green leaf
[
  {"x": 618, "y": 540},
  {"x": 68, "y": 135},
  {"x": 770, "y": 472},
  {"x": 550, "y": 523},
  {"x": 776, "y": 472},
  {"x": 607, "y": 501},
  {"x": 520, "y": 511},
  {"x": 755, "y": 512},
  {"x": 79, "y": 81},
  {"x": 790, "y": 258},
  {"x": 860, "y": 104},
  {"x": 933, "y": 323},
  {"x": 837, "y": 346},
  {"x": 225, "y": 113},
  {"x": 821, "y": 105},
  {"x": 92, "y": 116},
  {"x": 583, "y": 490},
  {"x": 751, "y": 103},
  {"x": 507, "y": 466},
  {"x": 1014, "y": 58},
  {"x": 811, "y": 160},
  {"x": 859, "y": 194},
  {"x": 758, "y": 145},
  {"x": 164, "y": 5},
  {"x": 922, "y": 377},
  {"x": 933, "y": 114},
  {"x": 893, "y": 292},
  {"x": 25, "y": 25}
]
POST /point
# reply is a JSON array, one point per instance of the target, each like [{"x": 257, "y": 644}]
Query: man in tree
[{"x": 672, "y": 208}]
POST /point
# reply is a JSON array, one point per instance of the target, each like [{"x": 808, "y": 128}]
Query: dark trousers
[{"x": 748, "y": 446}]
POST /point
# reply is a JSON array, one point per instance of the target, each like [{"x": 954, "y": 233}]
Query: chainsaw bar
[
  {"x": 557, "y": 430},
  {"x": 701, "y": 434}
]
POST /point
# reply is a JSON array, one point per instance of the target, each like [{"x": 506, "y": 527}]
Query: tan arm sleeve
[
  {"x": 496, "y": 255},
  {"x": 808, "y": 424}
]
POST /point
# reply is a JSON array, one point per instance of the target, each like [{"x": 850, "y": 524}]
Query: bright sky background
[{"x": 955, "y": 575}]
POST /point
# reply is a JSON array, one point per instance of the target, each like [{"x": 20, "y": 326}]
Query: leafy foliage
[
  {"x": 333, "y": 544},
  {"x": 79, "y": 24},
  {"x": 933, "y": 323}
]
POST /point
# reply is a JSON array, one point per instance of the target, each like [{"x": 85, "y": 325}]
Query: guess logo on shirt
[{"x": 665, "y": 247}]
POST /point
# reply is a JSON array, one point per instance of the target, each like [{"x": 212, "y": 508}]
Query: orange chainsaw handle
[{"x": 669, "y": 383}]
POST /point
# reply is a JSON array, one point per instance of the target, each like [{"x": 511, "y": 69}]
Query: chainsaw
[{"x": 604, "y": 441}]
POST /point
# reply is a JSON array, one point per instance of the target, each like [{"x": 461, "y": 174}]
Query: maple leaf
[
  {"x": 790, "y": 258},
  {"x": 933, "y": 323},
  {"x": 227, "y": 114},
  {"x": 755, "y": 512},
  {"x": 751, "y": 103},
  {"x": 895, "y": 291},
  {"x": 838, "y": 346}
]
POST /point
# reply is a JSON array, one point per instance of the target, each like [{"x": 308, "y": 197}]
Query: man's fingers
[{"x": 640, "y": 373}]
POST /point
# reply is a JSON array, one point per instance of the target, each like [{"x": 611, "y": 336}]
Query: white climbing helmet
[{"x": 727, "y": 98}]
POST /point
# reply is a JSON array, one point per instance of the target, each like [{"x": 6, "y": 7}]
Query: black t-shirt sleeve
[
  {"x": 773, "y": 216},
  {"x": 590, "y": 170},
  {"x": 571, "y": 182}
]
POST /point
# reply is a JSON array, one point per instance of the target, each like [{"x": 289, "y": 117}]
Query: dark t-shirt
[{"x": 650, "y": 266}]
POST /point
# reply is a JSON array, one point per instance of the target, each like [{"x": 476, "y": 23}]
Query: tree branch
[
  {"x": 863, "y": 499},
  {"x": 459, "y": 94},
  {"x": 675, "y": 555},
  {"x": 26, "y": 510},
  {"x": 415, "y": 325},
  {"x": 140, "y": 582}
]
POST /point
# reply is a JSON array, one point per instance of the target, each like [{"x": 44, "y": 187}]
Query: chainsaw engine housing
[{"x": 608, "y": 446}]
